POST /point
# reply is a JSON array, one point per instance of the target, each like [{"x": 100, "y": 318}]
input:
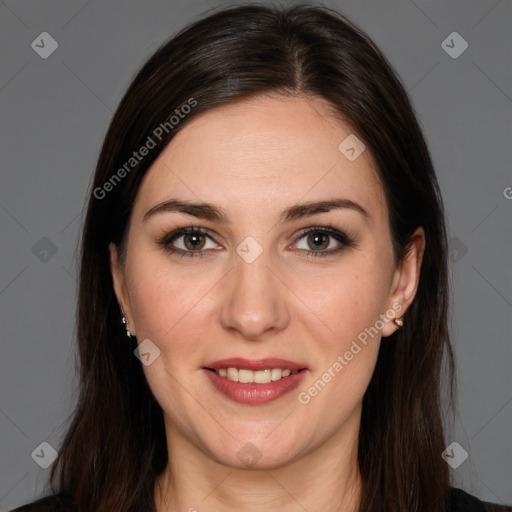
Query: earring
[
  {"x": 128, "y": 333},
  {"x": 399, "y": 322}
]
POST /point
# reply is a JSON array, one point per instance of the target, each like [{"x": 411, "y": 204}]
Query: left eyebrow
[
  {"x": 305, "y": 209},
  {"x": 209, "y": 211}
]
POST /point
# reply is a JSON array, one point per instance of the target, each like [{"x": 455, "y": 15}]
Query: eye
[
  {"x": 193, "y": 241},
  {"x": 189, "y": 241},
  {"x": 323, "y": 241}
]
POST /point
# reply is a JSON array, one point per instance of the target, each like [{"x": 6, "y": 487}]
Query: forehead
[{"x": 262, "y": 153}]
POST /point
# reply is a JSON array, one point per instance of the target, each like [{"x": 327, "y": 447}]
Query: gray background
[{"x": 54, "y": 114}]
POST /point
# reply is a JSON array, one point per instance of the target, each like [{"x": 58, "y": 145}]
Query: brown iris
[
  {"x": 194, "y": 241},
  {"x": 320, "y": 240}
]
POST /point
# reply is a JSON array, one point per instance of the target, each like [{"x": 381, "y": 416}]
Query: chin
[{"x": 256, "y": 454}]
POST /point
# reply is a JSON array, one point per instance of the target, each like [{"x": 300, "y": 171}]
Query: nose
[{"x": 255, "y": 301}]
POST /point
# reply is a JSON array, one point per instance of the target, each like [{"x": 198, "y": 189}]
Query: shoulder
[
  {"x": 53, "y": 503},
  {"x": 461, "y": 501}
]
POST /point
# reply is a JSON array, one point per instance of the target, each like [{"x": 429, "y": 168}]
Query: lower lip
[{"x": 252, "y": 393}]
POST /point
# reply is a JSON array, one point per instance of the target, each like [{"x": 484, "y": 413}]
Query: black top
[{"x": 460, "y": 501}]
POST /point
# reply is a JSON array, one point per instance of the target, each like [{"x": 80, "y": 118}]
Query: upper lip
[{"x": 255, "y": 364}]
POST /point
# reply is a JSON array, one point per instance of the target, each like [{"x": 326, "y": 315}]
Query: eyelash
[{"x": 339, "y": 236}]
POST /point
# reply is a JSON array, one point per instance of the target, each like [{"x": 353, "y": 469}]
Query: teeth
[
  {"x": 232, "y": 374},
  {"x": 276, "y": 374},
  {"x": 259, "y": 377},
  {"x": 262, "y": 376},
  {"x": 245, "y": 376}
]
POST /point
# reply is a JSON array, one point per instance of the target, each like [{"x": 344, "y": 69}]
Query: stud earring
[
  {"x": 128, "y": 333},
  {"x": 399, "y": 322}
]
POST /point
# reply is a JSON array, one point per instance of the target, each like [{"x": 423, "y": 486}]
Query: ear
[
  {"x": 120, "y": 290},
  {"x": 405, "y": 280}
]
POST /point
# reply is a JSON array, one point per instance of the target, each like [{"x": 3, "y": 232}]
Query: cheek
[
  {"x": 162, "y": 296},
  {"x": 348, "y": 339},
  {"x": 169, "y": 309},
  {"x": 348, "y": 301},
  {"x": 172, "y": 307}
]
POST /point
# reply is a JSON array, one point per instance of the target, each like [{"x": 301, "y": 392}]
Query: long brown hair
[{"x": 115, "y": 446}]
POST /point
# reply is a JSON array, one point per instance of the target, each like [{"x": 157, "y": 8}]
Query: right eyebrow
[{"x": 206, "y": 211}]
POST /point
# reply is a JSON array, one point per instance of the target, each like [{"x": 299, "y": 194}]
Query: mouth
[{"x": 255, "y": 381}]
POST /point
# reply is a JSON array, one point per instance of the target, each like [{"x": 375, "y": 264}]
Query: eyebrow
[{"x": 211, "y": 212}]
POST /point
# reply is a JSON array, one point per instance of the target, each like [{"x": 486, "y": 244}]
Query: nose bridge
[{"x": 254, "y": 302}]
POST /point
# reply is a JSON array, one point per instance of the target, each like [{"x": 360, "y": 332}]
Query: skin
[{"x": 254, "y": 159}]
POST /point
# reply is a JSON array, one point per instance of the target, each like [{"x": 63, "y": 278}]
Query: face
[{"x": 260, "y": 276}]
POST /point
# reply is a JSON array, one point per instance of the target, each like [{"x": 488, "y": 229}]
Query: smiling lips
[{"x": 255, "y": 382}]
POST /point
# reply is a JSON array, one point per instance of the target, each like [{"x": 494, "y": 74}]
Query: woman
[{"x": 263, "y": 290}]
